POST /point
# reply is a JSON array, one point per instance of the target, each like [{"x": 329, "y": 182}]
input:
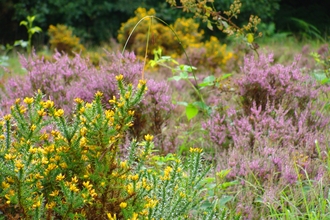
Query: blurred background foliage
[{"x": 96, "y": 21}]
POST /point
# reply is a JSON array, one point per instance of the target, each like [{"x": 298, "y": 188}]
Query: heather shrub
[
  {"x": 267, "y": 138},
  {"x": 66, "y": 78},
  {"x": 54, "y": 167},
  {"x": 62, "y": 40},
  {"x": 263, "y": 81},
  {"x": 54, "y": 79}
]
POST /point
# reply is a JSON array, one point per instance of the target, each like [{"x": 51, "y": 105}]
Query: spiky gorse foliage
[
  {"x": 270, "y": 134},
  {"x": 54, "y": 167}
]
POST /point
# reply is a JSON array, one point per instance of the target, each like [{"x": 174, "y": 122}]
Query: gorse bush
[
  {"x": 65, "y": 78},
  {"x": 52, "y": 167},
  {"x": 160, "y": 35},
  {"x": 62, "y": 40},
  {"x": 210, "y": 55},
  {"x": 187, "y": 36}
]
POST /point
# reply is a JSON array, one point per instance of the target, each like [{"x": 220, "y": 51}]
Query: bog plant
[{"x": 54, "y": 167}]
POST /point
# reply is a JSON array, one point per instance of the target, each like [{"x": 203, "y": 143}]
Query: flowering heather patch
[
  {"x": 53, "y": 78},
  {"x": 270, "y": 137},
  {"x": 263, "y": 81},
  {"x": 64, "y": 79}
]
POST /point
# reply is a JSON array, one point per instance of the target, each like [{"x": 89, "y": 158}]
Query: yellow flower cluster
[
  {"x": 28, "y": 100},
  {"x": 61, "y": 38},
  {"x": 195, "y": 150},
  {"x": 167, "y": 173},
  {"x": 148, "y": 137}
]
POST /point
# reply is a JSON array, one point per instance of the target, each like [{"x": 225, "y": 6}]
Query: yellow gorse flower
[
  {"x": 28, "y": 100},
  {"x": 119, "y": 77},
  {"x": 10, "y": 179},
  {"x": 19, "y": 165},
  {"x": 74, "y": 179},
  {"x": 148, "y": 137},
  {"x": 134, "y": 217},
  {"x": 60, "y": 177},
  {"x": 59, "y": 113},
  {"x": 5, "y": 185},
  {"x": 87, "y": 185},
  {"x": 73, "y": 187},
  {"x": 123, "y": 164},
  {"x": 135, "y": 177},
  {"x": 7, "y": 117},
  {"x": 54, "y": 193},
  {"x": 123, "y": 205},
  {"x": 50, "y": 205},
  {"x": 47, "y": 104},
  {"x": 110, "y": 217},
  {"x": 41, "y": 112},
  {"x": 98, "y": 94},
  {"x": 9, "y": 156},
  {"x": 33, "y": 127},
  {"x": 78, "y": 100},
  {"x": 195, "y": 150}
]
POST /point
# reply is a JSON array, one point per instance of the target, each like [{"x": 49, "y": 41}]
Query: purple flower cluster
[
  {"x": 268, "y": 135},
  {"x": 62, "y": 79},
  {"x": 264, "y": 81}
]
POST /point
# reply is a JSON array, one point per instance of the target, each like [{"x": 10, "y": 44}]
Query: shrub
[
  {"x": 52, "y": 167},
  {"x": 66, "y": 78},
  {"x": 160, "y": 35},
  {"x": 62, "y": 40},
  {"x": 211, "y": 55},
  {"x": 263, "y": 82},
  {"x": 270, "y": 134}
]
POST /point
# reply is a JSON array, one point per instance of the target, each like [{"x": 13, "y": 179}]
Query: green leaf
[
  {"x": 187, "y": 68},
  {"x": 182, "y": 103},
  {"x": 223, "y": 173},
  {"x": 208, "y": 180},
  {"x": 207, "y": 81},
  {"x": 225, "y": 76},
  {"x": 225, "y": 24},
  {"x": 152, "y": 63},
  {"x": 249, "y": 38},
  {"x": 176, "y": 78},
  {"x": 35, "y": 30},
  {"x": 225, "y": 185},
  {"x": 224, "y": 199},
  {"x": 31, "y": 18},
  {"x": 23, "y": 23},
  {"x": 21, "y": 43},
  {"x": 191, "y": 111},
  {"x": 209, "y": 25},
  {"x": 201, "y": 105}
]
